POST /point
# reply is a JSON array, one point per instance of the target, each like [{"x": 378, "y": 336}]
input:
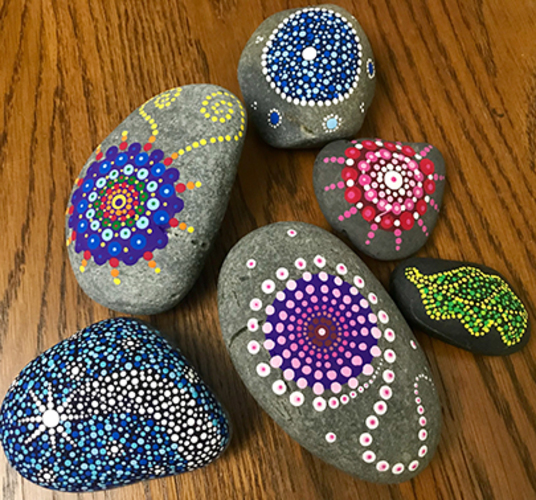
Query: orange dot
[
  {"x": 182, "y": 226},
  {"x": 190, "y": 185},
  {"x": 174, "y": 156},
  {"x": 114, "y": 272},
  {"x": 152, "y": 139},
  {"x": 152, "y": 264},
  {"x": 84, "y": 262}
]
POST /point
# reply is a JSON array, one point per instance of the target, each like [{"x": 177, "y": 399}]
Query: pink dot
[
  {"x": 286, "y": 354},
  {"x": 352, "y": 383},
  {"x": 376, "y": 332},
  {"x": 283, "y": 315},
  {"x": 332, "y": 375},
  {"x": 362, "y": 346},
  {"x": 276, "y": 361},
  {"x": 375, "y": 351},
  {"x": 398, "y": 232},
  {"x": 340, "y": 184},
  {"x": 306, "y": 370},
  {"x": 336, "y": 387},
  {"x": 319, "y": 375},
  {"x": 280, "y": 328},
  {"x": 318, "y": 388},
  {"x": 372, "y": 318},
  {"x": 398, "y": 241},
  {"x": 310, "y": 289},
  {"x": 353, "y": 210},
  {"x": 357, "y": 361},
  {"x": 346, "y": 371},
  {"x": 288, "y": 374},
  {"x": 302, "y": 383},
  {"x": 367, "y": 369},
  {"x": 295, "y": 363}
]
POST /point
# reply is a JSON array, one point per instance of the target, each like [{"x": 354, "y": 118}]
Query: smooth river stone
[
  {"x": 324, "y": 350},
  {"x": 467, "y": 305},
  {"x": 112, "y": 405},
  {"x": 384, "y": 196},
  {"x": 307, "y": 76},
  {"x": 148, "y": 204}
]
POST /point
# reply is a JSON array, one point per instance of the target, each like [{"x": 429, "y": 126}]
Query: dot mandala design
[
  {"x": 313, "y": 57},
  {"x": 130, "y": 197},
  {"x": 321, "y": 333},
  {"x": 331, "y": 122},
  {"x": 112, "y": 405},
  {"x": 389, "y": 184},
  {"x": 478, "y": 300}
]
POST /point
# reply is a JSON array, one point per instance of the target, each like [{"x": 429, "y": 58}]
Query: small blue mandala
[
  {"x": 274, "y": 118},
  {"x": 313, "y": 57}
]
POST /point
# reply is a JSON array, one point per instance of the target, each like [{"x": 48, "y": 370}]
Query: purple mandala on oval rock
[{"x": 321, "y": 332}]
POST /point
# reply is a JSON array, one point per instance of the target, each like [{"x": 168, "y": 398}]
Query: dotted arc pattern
[
  {"x": 478, "y": 300},
  {"x": 313, "y": 57},
  {"x": 112, "y": 405}
]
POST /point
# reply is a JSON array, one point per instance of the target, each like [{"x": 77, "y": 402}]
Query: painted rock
[
  {"x": 324, "y": 350},
  {"x": 110, "y": 406},
  {"x": 384, "y": 196},
  {"x": 307, "y": 76},
  {"x": 468, "y": 305},
  {"x": 148, "y": 204}
]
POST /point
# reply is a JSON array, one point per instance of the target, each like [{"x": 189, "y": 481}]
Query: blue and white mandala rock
[
  {"x": 110, "y": 406},
  {"x": 308, "y": 76}
]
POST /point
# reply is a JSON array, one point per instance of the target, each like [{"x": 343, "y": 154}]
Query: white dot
[
  {"x": 51, "y": 418},
  {"x": 369, "y": 456},
  {"x": 331, "y": 437},
  {"x": 263, "y": 370},
  {"x": 319, "y": 404},
  {"x": 253, "y": 347},
  {"x": 255, "y": 305},
  {"x": 279, "y": 387},
  {"x": 296, "y": 398},
  {"x": 309, "y": 53},
  {"x": 372, "y": 422},
  {"x": 268, "y": 286},
  {"x": 365, "y": 439},
  {"x": 397, "y": 468}
]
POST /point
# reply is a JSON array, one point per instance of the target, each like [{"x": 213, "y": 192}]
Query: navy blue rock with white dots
[{"x": 112, "y": 405}]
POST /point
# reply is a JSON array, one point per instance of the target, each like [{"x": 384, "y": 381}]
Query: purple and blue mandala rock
[
  {"x": 324, "y": 350},
  {"x": 112, "y": 405},
  {"x": 148, "y": 204}
]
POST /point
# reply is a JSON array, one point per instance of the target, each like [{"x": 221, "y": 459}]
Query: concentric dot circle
[
  {"x": 255, "y": 304},
  {"x": 331, "y": 437},
  {"x": 268, "y": 286},
  {"x": 319, "y": 403},
  {"x": 365, "y": 439},
  {"x": 382, "y": 466},
  {"x": 388, "y": 376},
  {"x": 380, "y": 407},
  {"x": 279, "y": 387},
  {"x": 423, "y": 450},
  {"x": 253, "y": 324},
  {"x": 369, "y": 456},
  {"x": 263, "y": 370},
  {"x": 372, "y": 422},
  {"x": 398, "y": 468},
  {"x": 385, "y": 392},
  {"x": 253, "y": 347},
  {"x": 296, "y": 398},
  {"x": 413, "y": 465}
]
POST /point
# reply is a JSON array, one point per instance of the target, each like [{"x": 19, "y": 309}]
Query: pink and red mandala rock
[{"x": 388, "y": 184}]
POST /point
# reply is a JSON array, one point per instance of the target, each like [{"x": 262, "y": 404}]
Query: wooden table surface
[{"x": 459, "y": 74}]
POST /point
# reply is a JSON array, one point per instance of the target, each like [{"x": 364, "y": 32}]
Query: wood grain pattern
[{"x": 460, "y": 74}]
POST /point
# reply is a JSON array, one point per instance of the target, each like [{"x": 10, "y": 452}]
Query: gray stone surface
[
  {"x": 360, "y": 413},
  {"x": 384, "y": 196},
  {"x": 112, "y": 405},
  {"x": 279, "y": 66},
  {"x": 203, "y": 127},
  {"x": 467, "y": 305}
]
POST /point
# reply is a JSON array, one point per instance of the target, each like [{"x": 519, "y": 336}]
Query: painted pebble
[
  {"x": 148, "y": 204},
  {"x": 307, "y": 76},
  {"x": 324, "y": 350},
  {"x": 468, "y": 305},
  {"x": 110, "y": 406},
  {"x": 384, "y": 196}
]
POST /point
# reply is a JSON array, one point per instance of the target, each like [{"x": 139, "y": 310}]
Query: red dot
[
  {"x": 147, "y": 146},
  {"x": 407, "y": 221},
  {"x": 390, "y": 146},
  {"x": 426, "y": 166},
  {"x": 387, "y": 221},
  {"x": 73, "y": 236},
  {"x": 173, "y": 222},
  {"x": 421, "y": 207},
  {"x": 79, "y": 181},
  {"x": 180, "y": 188},
  {"x": 429, "y": 186},
  {"x": 408, "y": 151},
  {"x": 352, "y": 153},
  {"x": 349, "y": 173},
  {"x": 148, "y": 255},
  {"x": 168, "y": 162},
  {"x": 352, "y": 195},
  {"x": 131, "y": 213},
  {"x": 123, "y": 146},
  {"x": 368, "y": 213},
  {"x": 99, "y": 156},
  {"x": 87, "y": 255},
  {"x": 371, "y": 145},
  {"x": 114, "y": 262},
  {"x": 71, "y": 209}
]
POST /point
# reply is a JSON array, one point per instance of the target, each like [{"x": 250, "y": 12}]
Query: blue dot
[{"x": 332, "y": 123}]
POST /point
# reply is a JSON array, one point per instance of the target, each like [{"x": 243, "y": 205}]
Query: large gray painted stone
[
  {"x": 384, "y": 196},
  {"x": 148, "y": 203},
  {"x": 324, "y": 350},
  {"x": 307, "y": 76}
]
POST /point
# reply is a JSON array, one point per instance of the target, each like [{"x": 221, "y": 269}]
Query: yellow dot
[
  {"x": 239, "y": 134},
  {"x": 82, "y": 269},
  {"x": 154, "y": 125},
  {"x": 102, "y": 244},
  {"x": 236, "y": 138},
  {"x": 222, "y": 120},
  {"x": 188, "y": 148},
  {"x": 220, "y": 138},
  {"x": 151, "y": 120},
  {"x": 203, "y": 110},
  {"x": 203, "y": 142},
  {"x": 181, "y": 152},
  {"x": 190, "y": 229},
  {"x": 214, "y": 119},
  {"x": 207, "y": 115},
  {"x": 198, "y": 184},
  {"x": 125, "y": 132},
  {"x": 205, "y": 103},
  {"x": 228, "y": 117},
  {"x": 227, "y": 137},
  {"x": 212, "y": 140},
  {"x": 155, "y": 132},
  {"x": 195, "y": 144},
  {"x": 157, "y": 270},
  {"x": 117, "y": 281}
]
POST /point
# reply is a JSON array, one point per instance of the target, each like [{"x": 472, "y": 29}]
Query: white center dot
[
  {"x": 51, "y": 418},
  {"x": 393, "y": 180},
  {"x": 309, "y": 53},
  {"x": 322, "y": 331}
]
